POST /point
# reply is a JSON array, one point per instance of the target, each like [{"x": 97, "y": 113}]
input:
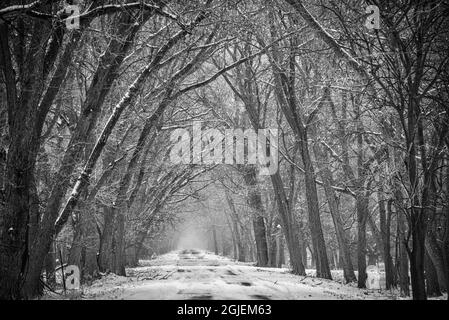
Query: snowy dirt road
[{"x": 197, "y": 274}]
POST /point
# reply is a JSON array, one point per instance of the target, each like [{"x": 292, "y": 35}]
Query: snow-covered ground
[{"x": 197, "y": 274}]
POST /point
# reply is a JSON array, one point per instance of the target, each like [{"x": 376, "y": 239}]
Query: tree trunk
[
  {"x": 334, "y": 205},
  {"x": 261, "y": 241},
  {"x": 234, "y": 248},
  {"x": 362, "y": 214},
  {"x": 289, "y": 227},
  {"x": 286, "y": 96},
  {"x": 416, "y": 256},
  {"x": 403, "y": 264},
  {"x": 435, "y": 254},
  {"x": 385, "y": 223},
  {"x": 105, "y": 259},
  {"x": 272, "y": 251},
  {"x": 240, "y": 246},
  {"x": 24, "y": 143},
  {"x": 119, "y": 240},
  {"x": 235, "y": 227},
  {"x": 100, "y": 86},
  {"x": 432, "y": 286},
  {"x": 279, "y": 250},
  {"x": 255, "y": 202},
  {"x": 316, "y": 232},
  {"x": 214, "y": 239},
  {"x": 275, "y": 233},
  {"x": 445, "y": 244}
]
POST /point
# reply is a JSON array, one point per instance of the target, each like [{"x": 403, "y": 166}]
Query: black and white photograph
[{"x": 224, "y": 156}]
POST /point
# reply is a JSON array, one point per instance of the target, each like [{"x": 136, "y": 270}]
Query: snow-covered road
[{"x": 197, "y": 274}]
